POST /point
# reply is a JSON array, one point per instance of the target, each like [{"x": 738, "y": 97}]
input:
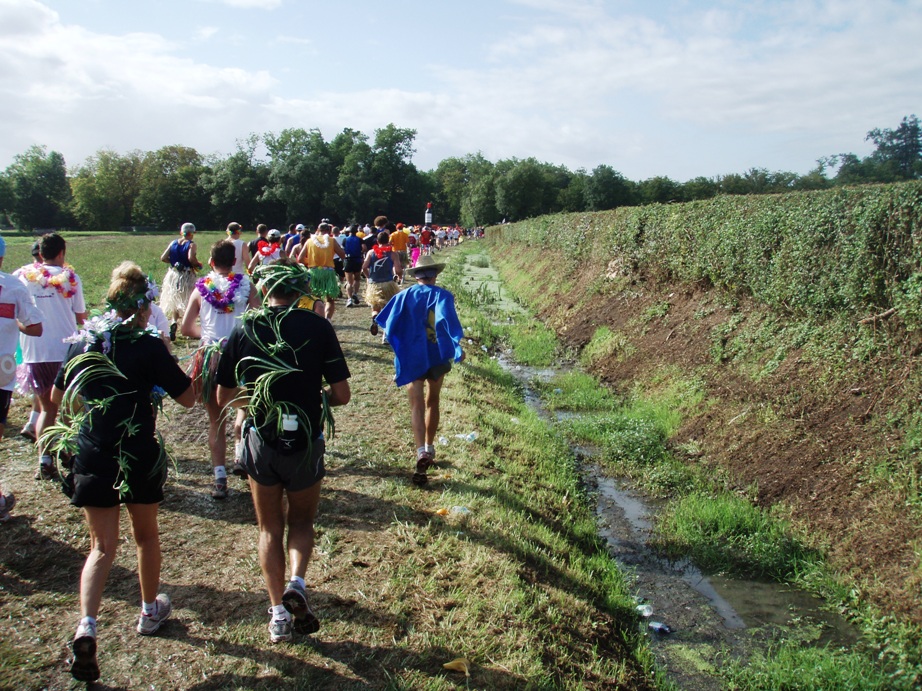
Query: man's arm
[{"x": 338, "y": 393}]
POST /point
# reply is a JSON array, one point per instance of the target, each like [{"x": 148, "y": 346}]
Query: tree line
[{"x": 297, "y": 176}]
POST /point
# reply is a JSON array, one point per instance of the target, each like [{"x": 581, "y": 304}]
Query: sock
[
  {"x": 220, "y": 473},
  {"x": 149, "y": 608},
  {"x": 33, "y": 418},
  {"x": 47, "y": 460},
  {"x": 279, "y": 612},
  {"x": 89, "y": 621},
  {"x": 238, "y": 451},
  {"x": 421, "y": 450},
  {"x": 298, "y": 580},
  {"x": 430, "y": 448}
]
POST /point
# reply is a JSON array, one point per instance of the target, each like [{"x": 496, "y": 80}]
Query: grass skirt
[
  {"x": 324, "y": 282},
  {"x": 203, "y": 369},
  {"x": 377, "y": 294},
  {"x": 177, "y": 287}
]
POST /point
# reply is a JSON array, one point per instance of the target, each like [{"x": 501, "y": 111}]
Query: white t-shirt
[
  {"x": 218, "y": 325},
  {"x": 58, "y": 315},
  {"x": 15, "y": 305},
  {"x": 158, "y": 319},
  {"x": 239, "y": 268}
]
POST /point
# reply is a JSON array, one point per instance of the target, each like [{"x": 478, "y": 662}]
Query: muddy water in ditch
[{"x": 712, "y": 617}]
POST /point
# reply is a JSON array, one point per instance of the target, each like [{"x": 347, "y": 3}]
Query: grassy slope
[{"x": 520, "y": 585}]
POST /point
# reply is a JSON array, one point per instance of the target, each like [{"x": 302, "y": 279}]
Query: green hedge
[{"x": 855, "y": 249}]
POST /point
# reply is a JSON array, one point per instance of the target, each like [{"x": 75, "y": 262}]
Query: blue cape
[{"x": 422, "y": 327}]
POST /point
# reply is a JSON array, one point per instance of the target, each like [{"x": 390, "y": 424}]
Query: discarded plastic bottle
[
  {"x": 645, "y": 611},
  {"x": 471, "y": 436},
  {"x": 659, "y": 627},
  {"x": 460, "y": 509},
  {"x": 443, "y": 440}
]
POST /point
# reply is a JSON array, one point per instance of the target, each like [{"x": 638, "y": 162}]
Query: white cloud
[
  {"x": 250, "y": 4},
  {"x": 206, "y": 32}
]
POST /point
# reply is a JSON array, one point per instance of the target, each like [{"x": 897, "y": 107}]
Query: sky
[{"x": 679, "y": 88}]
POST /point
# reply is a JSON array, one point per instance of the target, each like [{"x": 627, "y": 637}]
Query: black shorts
[
  {"x": 434, "y": 373},
  {"x": 353, "y": 265},
  {"x": 6, "y": 397},
  {"x": 338, "y": 267},
  {"x": 294, "y": 471},
  {"x": 87, "y": 489}
]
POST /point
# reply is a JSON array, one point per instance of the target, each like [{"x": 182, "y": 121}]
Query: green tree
[
  {"x": 171, "y": 191},
  {"x": 301, "y": 173},
  {"x": 606, "y": 188},
  {"x": 478, "y": 207},
  {"x": 899, "y": 150},
  {"x": 38, "y": 191},
  {"x": 105, "y": 189},
  {"x": 453, "y": 180},
  {"x": 236, "y": 185},
  {"x": 659, "y": 189},
  {"x": 573, "y": 197},
  {"x": 355, "y": 197},
  {"x": 700, "y": 188},
  {"x": 393, "y": 171}
]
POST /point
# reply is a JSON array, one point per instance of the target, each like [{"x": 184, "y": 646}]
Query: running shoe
[
  {"x": 7, "y": 502},
  {"x": 173, "y": 331},
  {"x": 373, "y": 329},
  {"x": 295, "y": 600},
  {"x": 239, "y": 470},
  {"x": 279, "y": 629},
  {"x": 149, "y": 623},
  {"x": 28, "y": 432},
  {"x": 46, "y": 471},
  {"x": 84, "y": 666},
  {"x": 219, "y": 491},
  {"x": 424, "y": 461}
]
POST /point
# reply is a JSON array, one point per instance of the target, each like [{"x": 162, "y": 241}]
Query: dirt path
[{"x": 399, "y": 589}]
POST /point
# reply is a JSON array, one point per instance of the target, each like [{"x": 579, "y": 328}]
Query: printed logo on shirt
[{"x": 7, "y": 310}]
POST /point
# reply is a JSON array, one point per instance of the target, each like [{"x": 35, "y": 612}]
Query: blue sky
[{"x": 675, "y": 88}]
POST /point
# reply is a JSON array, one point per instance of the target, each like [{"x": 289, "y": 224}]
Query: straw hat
[{"x": 426, "y": 264}]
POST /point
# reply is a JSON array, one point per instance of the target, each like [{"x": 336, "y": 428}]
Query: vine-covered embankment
[{"x": 801, "y": 314}]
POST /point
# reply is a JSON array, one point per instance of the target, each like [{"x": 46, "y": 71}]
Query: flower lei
[
  {"x": 224, "y": 293},
  {"x": 316, "y": 238},
  {"x": 267, "y": 250},
  {"x": 64, "y": 282},
  {"x": 381, "y": 250},
  {"x": 100, "y": 327}
]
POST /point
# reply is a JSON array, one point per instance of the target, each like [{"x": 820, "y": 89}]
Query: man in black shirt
[{"x": 274, "y": 365}]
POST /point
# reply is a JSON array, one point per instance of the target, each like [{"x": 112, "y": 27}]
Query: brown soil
[{"x": 807, "y": 444}]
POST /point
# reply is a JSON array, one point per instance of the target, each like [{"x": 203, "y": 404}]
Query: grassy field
[{"x": 496, "y": 561}]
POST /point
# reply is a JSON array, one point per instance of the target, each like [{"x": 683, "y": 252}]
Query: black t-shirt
[
  {"x": 313, "y": 352},
  {"x": 120, "y": 409}
]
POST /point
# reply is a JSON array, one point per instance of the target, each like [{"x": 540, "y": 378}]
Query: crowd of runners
[{"x": 268, "y": 361}]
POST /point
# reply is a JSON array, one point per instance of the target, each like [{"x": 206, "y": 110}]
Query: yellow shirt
[
  {"x": 319, "y": 256},
  {"x": 399, "y": 240}
]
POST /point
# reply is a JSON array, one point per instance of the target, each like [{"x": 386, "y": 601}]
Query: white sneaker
[{"x": 150, "y": 623}]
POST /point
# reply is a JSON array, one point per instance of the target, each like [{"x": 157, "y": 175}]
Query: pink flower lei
[
  {"x": 219, "y": 291},
  {"x": 64, "y": 282}
]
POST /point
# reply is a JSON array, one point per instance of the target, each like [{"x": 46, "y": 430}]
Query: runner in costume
[
  {"x": 18, "y": 314},
  {"x": 214, "y": 308},
  {"x": 274, "y": 365},
  {"x": 317, "y": 254},
  {"x": 422, "y": 327},
  {"x": 382, "y": 268},
  {"x": 105, "y": 383},
  {"x": 180, "y": 277},
  {"x": 268, "y": 251},
  {"x": 58, "y": 294}
]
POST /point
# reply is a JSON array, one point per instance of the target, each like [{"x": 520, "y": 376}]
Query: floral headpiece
[{"x": 125, "y": 302}]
